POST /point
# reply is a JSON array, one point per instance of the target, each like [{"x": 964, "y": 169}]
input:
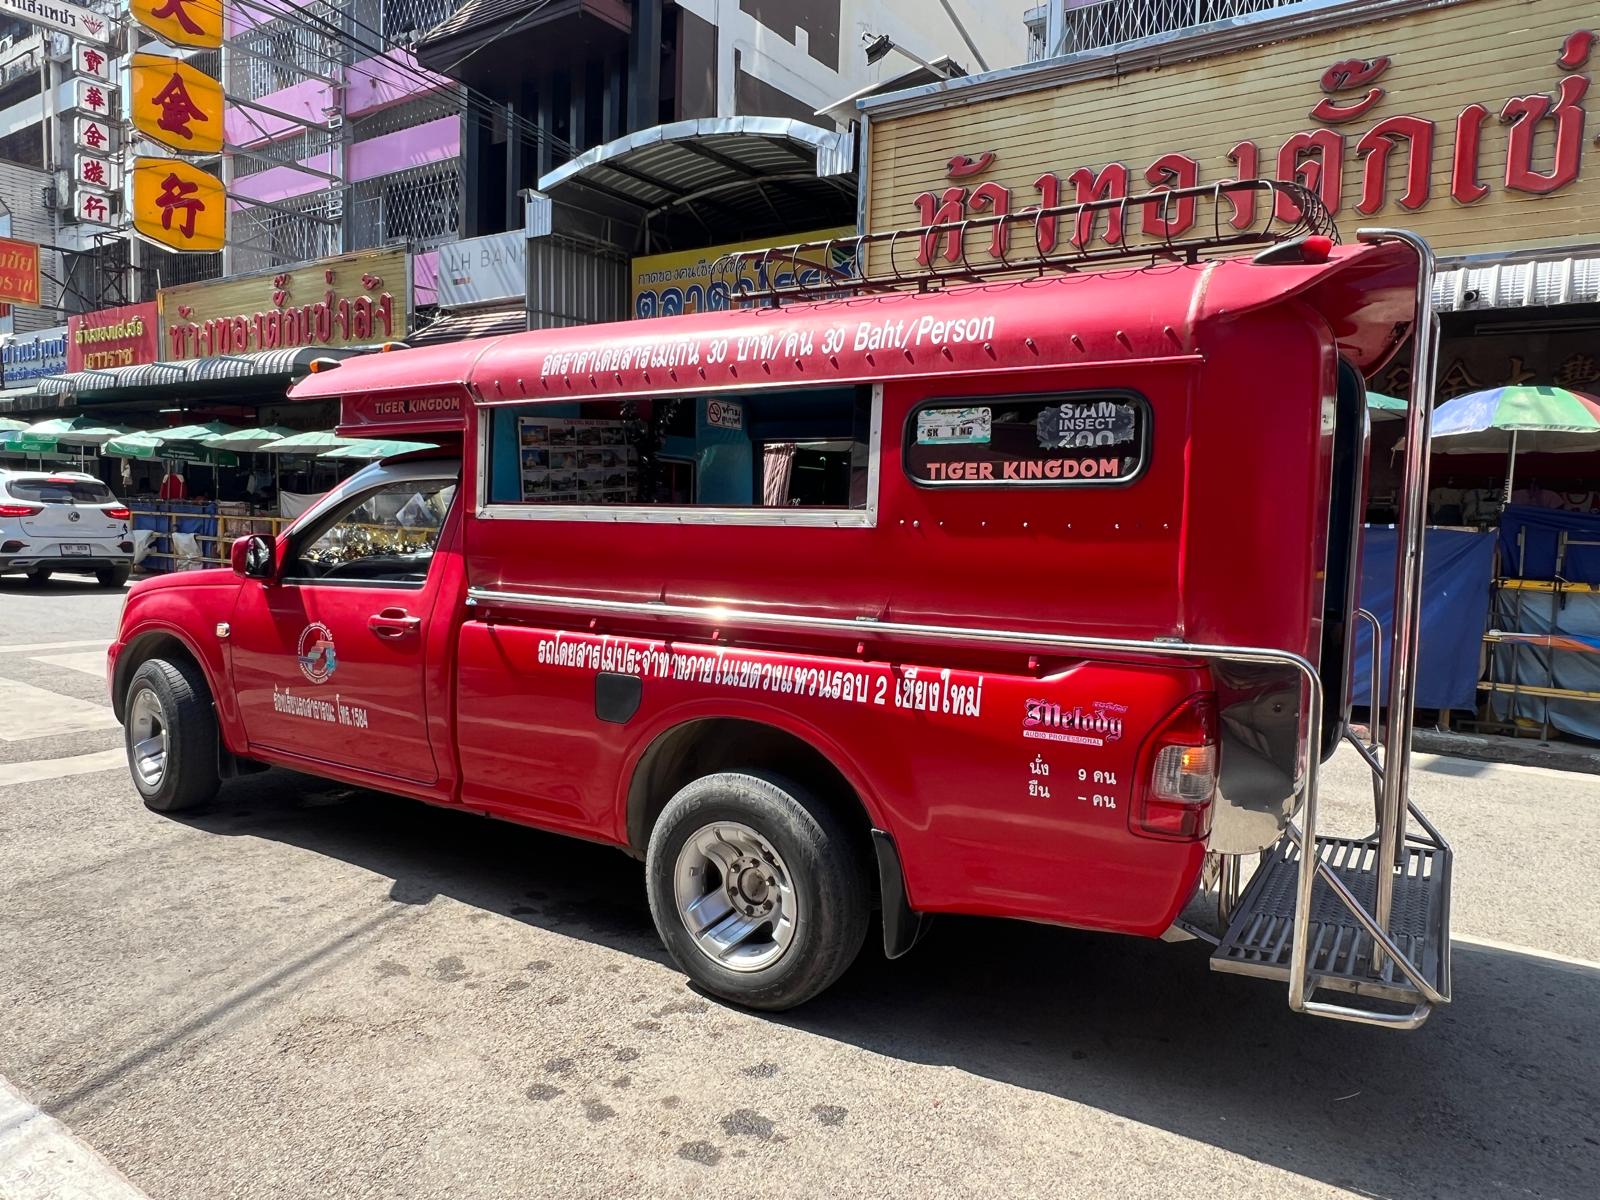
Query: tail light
[
  {"x": 20, "y": 510},
  {"x": 118, "y": 513},
  {"x": 1177, "y": 778}
]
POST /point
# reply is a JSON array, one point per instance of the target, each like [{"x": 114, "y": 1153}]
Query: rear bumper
[{"x": 87, "y": 565}]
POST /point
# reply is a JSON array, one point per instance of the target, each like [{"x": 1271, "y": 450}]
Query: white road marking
[
  {"x": 60, "y": 768},
  {"x": 1463, "y": 939},
  {"x": 40, "y": 1159},
  {"x": 90, "y": 662},
  {"x": 31, "y": 647},
  {"x": 34, "y": 712}
]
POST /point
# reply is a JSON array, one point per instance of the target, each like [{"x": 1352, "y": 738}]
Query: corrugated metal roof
[
  {"x": 462, "y": 324},
  {"x": 261, "y": 365},
  {"x": 1532, "y": 283},
  {"x": 770, "y": 173}
]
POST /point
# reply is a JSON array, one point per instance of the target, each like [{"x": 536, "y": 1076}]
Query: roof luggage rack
[{"x": 1052, "y": 239}]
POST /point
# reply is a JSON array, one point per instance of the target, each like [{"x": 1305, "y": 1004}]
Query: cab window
[
  {"x": 385, "y": 536},
  {"x": 792, "y": 449}
]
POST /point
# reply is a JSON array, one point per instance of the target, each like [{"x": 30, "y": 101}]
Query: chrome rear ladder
[{"x": 1369, "y": 917}]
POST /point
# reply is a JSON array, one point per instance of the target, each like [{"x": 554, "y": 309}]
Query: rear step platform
[{"x": 1260, "y": 936}]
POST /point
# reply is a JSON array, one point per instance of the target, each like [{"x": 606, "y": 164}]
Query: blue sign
[{"x": 31, "y": 356}]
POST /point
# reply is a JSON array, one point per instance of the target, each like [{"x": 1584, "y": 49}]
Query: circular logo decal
[
  {"x": 317, "y": 660},
  {"x": 73, "y": 516}
]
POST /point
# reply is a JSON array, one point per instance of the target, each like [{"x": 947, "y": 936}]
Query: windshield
[{"x": 62, "y": 491}]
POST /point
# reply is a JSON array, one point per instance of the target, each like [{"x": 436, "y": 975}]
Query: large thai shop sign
[
  {"x": 1465, "y": 122},
  {"x": 353, "y": 300}
]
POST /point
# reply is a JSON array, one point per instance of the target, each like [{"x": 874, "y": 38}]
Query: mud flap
[{"x": 903, "y": 927}]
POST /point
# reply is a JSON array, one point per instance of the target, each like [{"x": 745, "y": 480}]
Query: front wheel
[
  {"x": 757, "y": 889},
  {"x": 170, "y": 730}
]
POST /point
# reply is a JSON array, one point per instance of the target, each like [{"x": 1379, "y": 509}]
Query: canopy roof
[
  {"x": 715, "y": 180},
  {"x": 259, "y": 371},
  {"x": 1367, "y": 293}
]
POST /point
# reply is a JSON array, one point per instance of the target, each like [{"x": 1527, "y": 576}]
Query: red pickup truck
[{"x": 1022, "y": 599}]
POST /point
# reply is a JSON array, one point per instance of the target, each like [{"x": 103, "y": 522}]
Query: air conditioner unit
[{"x": 58, "y": 47}]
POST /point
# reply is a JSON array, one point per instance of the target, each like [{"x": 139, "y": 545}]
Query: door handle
[{"x": 393, "y": 623}]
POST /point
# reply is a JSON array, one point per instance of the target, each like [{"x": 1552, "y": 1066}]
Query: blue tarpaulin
[
  {"x": 189, "y": 517},
  {"x": 1456, "y": 571},
  {"x": 1540, "y": 530}
]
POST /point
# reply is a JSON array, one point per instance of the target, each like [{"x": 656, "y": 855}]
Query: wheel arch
[
  {"x": 707, "y": 742},
  {"x": 158, "y": 642}
]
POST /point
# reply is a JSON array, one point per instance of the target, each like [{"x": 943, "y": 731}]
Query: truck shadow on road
[{"x": 1496, "y": 1095}]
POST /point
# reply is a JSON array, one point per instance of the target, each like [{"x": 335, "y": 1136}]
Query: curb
[{"x": 1521, "y": 752}]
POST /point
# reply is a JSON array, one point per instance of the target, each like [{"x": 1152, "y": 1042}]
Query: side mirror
[{"x": 253, "y": 557}]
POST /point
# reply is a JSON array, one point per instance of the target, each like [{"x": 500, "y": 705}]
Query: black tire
[
  {"x": 39, "y": 576},
  {"x": 189, "y": 778},
  {"x": 825, "y": 867},
  {"x": 111, "y": 577}
]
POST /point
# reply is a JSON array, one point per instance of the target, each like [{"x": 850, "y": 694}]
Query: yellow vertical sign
[
  {"x": 178, "y": 205},
  {"x": 176, "y": 105},
  {"x": 193, "y": 23}
]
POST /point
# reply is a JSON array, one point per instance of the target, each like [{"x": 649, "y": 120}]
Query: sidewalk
[{"x": 1523, "y": 752}]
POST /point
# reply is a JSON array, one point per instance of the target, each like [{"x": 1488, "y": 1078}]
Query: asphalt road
[{"x": 314, "y": 992}]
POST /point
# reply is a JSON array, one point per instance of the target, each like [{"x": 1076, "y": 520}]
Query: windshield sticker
[
  {"x": 1097, "y": 423},
  {"x": 946, "y": 426}
]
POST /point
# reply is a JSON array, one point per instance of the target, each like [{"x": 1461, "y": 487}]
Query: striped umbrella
[{"x": 1546, "y": 420}]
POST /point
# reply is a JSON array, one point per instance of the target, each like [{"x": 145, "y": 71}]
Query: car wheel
[
  {"x": 170, "y": 729},
  {"x": 757, "y": 889},
  {"x": 39, "y": 576},
  {"x": 111, "y": 577}
]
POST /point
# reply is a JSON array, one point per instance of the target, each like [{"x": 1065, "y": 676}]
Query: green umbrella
[
  {"x": 306, "y": 443},
  {"x": 20, "y": 441},
  {"x": 75, "y": 431},
  {"x": 377, "y": 448},
  {"x": 197, "y": 433},
  {"x": 1385, "y": 408},
  {"x": 249, "y": 439},
  {"x": 156, "y": 445}
]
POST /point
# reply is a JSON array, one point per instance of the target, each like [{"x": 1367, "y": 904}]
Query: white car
[{"x": 63, "y": 521}]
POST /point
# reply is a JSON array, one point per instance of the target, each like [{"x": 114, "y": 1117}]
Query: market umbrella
[
  {"x": 248, "y": 439},
  {"x": 202, "y": 432},
  {"x": 11, "y": 424},
  {"x": 377, "y": 448},
  {"x": 1545, "y": 420},
  {"x": 156, "y": 444},
  {"x": 314, "y": 442},
  {"x": 1385, "y": 408},
  {"x": 75, "y": 431}
]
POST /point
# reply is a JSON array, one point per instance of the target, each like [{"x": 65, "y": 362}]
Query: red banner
[
  {"x": 112, "y": 337},
  {"x": 19, "y": 271}
]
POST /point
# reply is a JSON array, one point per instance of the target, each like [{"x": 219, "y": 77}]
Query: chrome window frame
[{"x": 688, "y": 514}]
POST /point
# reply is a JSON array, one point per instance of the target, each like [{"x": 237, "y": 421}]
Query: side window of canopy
[{"x": 790, "y": 449}]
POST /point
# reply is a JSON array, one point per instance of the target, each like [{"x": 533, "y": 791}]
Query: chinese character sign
[
  {"x": 93, "y": 96},
  {"x": 96, "y": 172},
  {"x": 177, "y": 205},
  {"x": 91, "y": 61},
  {"x": 176, "y": 105},
  {"x": 19, "y": 272},
  {"x": 92, "y": 206},
  {"x": 193, "y": 23}
]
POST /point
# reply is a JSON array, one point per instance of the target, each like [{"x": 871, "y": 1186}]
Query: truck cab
[{"x": 1027, "y": 599}]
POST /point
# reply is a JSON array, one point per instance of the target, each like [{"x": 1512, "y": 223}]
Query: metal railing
[
  {"x": 1059, "y": 238},
  {"x": 1075, "y": 27}
]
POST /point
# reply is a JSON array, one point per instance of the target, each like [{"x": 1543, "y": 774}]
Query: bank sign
[
  {"x": 30, "y": 356},
  {"x": 1464, "y": 122}
]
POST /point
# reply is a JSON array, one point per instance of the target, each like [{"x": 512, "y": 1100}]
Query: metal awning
[
  {"x": 271, "y": 369},
  {"x": 713, "y": 180},
  {"x": 1529, "y": 283},
  {"x": 482, "y": 321}
]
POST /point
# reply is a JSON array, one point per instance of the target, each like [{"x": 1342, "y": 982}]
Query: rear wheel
[
  {"x": 170, "y": 730},
  {"x": 111, "y": 577},
  {"x": 757, "y": 889},
  {"x": 39, "y": 576}
]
